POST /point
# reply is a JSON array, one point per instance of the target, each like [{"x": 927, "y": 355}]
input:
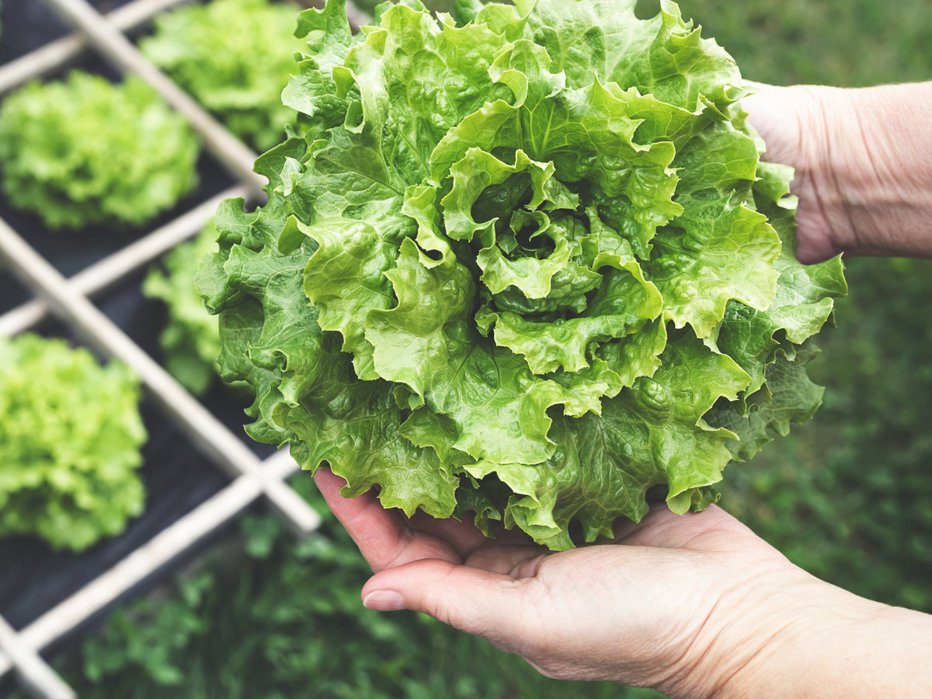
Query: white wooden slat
[
  {"x": 59, "y": 53},
  {"x": 102, "y": 275},
  {"x": 37, "y": 677},
  {"x": 167, "y": 545}
]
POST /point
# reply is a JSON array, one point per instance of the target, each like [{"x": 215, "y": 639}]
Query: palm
[{"x": 646, "y": 598}]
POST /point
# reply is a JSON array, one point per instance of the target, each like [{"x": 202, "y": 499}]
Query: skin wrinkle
[
  {"x": 785, "y": 621},
  {"x": 398, "y": 551},
  {"x": 862, "y": 173},
  {"x": 803, "y": 173},
  {"x": 743, "y": 663},
  {"x": 839, "y": 199},
  {"x": 715, "y": 527},
  {"x": 538, "y": 594},
  {"x": 678, "y": 663},
  {"x": 878, "y": 180},
  {"x": 444, "y": 613},
  {"x": 528, "y": 567},
  {"x": 518, "y": 626},
  {"x": 681, "y": 664},
  {"x": 836, "y": 189},
  {"x": 721, "y": 688},
  {"x": 895, "y": 185},
  {"x": 872, "y": 160},
  {"x": 498, "y": 558},
  {"x": 713, "y": 624}
]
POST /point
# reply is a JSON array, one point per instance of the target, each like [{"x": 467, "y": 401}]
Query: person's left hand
[{"x": 688, "y": 604}]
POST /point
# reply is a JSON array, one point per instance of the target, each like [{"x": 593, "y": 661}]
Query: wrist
[
  {"x": 867, "y": 169},
  {"x": 762, "y": 638},
  {"x": 735, "y": 643},
  {"x": 863, "y": 161},
  {"x": 797, "y": 649},
  {"x": 816, "y": 640}
]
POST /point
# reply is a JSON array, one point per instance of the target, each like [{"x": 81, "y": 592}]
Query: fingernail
[{"x": 384, "y": 601}]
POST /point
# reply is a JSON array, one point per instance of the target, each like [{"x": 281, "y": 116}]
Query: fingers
[
  {"x": 343, "y": 508},
  {"x": 470, "y": 599},
  {"x": 381, "y": 535},
  {"x": 514, "y": 561},
  {"x": 461, "y": 535}
]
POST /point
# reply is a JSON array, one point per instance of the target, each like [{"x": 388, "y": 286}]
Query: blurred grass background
[
  {"x": 848, "y": 497},
  {"x": 850, "y": 43}
]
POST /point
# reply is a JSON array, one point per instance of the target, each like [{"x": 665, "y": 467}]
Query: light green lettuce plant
[
  {"x": 234, "y": 56},
  {"x": 84, "y": 151},
  {"x": 70, "y": 438},
  {"x": 527, "y": 264},
  {"x": 191, "y": 339}
]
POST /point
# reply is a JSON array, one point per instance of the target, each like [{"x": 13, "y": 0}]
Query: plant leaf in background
[
  {"x": 535, "y": 250},
  {"x": 191, "y": 340},
  {"x": 70, "y": 438},
  {"x": 234, "y": 56},
  {"x": 84, "y": 151}
]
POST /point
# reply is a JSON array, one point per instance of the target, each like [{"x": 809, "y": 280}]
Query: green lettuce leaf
[
  {"x": 529, "y": 266},
  {"x": 191, "y": 339}
]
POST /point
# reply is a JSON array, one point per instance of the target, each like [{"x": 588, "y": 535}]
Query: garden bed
[{"x": 199, "y": 469}]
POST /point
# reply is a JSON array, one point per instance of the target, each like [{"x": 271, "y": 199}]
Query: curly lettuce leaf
[{"x": 529, "y": 266}]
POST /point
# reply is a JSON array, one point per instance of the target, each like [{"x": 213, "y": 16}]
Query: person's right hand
[
  {"x": 863, "y": 162},
  {"x": 695, "y": 605}
]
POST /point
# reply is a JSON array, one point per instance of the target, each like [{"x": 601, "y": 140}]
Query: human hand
[
  {"x": 694, "y": 605},
  {"x": 863, "y": 162}
]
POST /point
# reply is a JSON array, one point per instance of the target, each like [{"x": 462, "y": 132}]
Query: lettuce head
[
  {"x": 83, "y": 151},
  {"x": 70, "y": 440},
  {"x": 526, "y": 263},
  {"x": 235, "y": 57}
]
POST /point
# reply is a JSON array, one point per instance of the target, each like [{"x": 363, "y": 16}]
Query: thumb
[{"x": 473, "y": 600}]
